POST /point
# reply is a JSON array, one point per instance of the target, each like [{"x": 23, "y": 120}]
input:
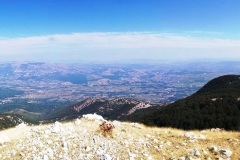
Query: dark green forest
[
  {"x": 8, "y": 120},
  {"x": 216, "y": 105}
]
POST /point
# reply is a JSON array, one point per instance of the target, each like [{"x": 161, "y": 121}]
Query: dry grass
[{"x": 165, "y": 143}]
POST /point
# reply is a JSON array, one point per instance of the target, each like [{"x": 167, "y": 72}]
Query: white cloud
[{"x": 110, "y": 46}]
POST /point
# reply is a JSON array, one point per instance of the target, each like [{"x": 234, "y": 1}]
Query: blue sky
[{"x": 112, "y": 30}]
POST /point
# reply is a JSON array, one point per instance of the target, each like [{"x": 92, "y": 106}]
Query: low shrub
[{"x": 106, "y": 129}]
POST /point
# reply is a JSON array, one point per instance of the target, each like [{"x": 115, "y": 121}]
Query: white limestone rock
[
  {"x": 136, "y": 125},
  {"x": 21, "y": 125},
  {"x": 77, "y": 121},
  {"x": 94, "y": 117},
  {"x": 45, "y": 157},
  {"x": 106, "y": 157},
  {"x": 182, "y": 158},
  {"x": 4, "y": 139},
  {"x": 201, "y": 137},
  {"x": 190, "y": 135},
  {"x": 149, "y": 158},
  {"x": 193, "y": 137},
  {"x": 49, "y": 153},
  {"x": 213, "y": 149},
  {"x": 56, "y": 128},
  {"x": 226, "y": 153},
  {"x": 204, "y": 151},
  {"x": 148, "y": 135},
  {"x": 116, "y": 123},
  {"x": 132, "y": 156},
  {"x": 216, "y": 129},
  {"x": 196, "y": 152}
]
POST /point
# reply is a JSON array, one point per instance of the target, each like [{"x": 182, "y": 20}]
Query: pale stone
[
  {"x": 4, "y": 139},
  {"x": 148, "y": 135},
  {"x": 213, "y": 149},
  {"x": 21, "y": 125},
  {"x": 45, "y": 157},
  {"x": 204, "y": 151},
  {"x": 182, "y": 158},
  {"x": 226, "y": 153},
  {"x": 136, "y": 125},
  {"x": 189, "y": 135},
  {"x": 196, "y": 152},
  {"x": 201, "y": 136},
  {"x": 106, "y": 157},
  {"x": 93, "y": 117},
  {"x": 77, "y": 121}
]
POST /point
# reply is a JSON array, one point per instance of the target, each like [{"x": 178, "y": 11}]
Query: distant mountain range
[{"x": 215, "y": 105}]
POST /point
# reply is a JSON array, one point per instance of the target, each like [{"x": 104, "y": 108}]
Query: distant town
[{"x": 63, "y": 84}]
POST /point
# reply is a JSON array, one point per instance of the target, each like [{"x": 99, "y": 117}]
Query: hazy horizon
[{"x": 119, "y": 31}]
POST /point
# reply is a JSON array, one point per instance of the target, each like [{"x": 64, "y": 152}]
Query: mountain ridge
[
  {"x": 113, "y": 109},
  {"x": 221, "y": 84}
]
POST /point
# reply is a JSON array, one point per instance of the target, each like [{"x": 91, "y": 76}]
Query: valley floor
[{"x": 82, "y": 139}]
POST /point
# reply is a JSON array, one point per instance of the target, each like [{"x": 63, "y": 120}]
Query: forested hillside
[{"x": 217, "y": 104}]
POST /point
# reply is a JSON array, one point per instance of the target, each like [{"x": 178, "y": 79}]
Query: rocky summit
[{"x": 83, "y": 139}]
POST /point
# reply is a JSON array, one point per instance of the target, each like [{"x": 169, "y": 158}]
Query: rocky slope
[
  {"x": 83, "y": 139},
  {"x": 113, "y": 109}
]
